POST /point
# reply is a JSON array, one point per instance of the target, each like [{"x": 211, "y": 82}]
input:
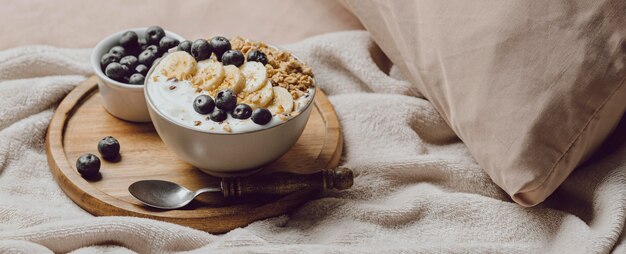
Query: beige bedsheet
[{"x": 417, "y": 188}]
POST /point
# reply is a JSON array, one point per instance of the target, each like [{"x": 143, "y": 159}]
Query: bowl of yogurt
[{"x": 229, "y": 107}]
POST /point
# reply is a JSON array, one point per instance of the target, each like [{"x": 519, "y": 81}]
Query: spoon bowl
[{"x": 164, "y": 194}]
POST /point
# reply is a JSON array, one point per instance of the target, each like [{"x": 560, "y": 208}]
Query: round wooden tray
[{"x": 80, "y": 122}]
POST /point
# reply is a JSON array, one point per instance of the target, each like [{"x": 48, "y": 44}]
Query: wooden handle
[{"x": 285, "y": 183}]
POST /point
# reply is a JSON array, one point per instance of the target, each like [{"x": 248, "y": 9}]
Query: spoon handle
[{"x": 285, "y": 183}]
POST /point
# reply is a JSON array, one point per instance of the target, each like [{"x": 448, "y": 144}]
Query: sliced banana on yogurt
[
  {"x": 179, "y": 65},
  {"x": 233, "y": 80},
  {"x": 282, "y": 103},
  {"x": 255, "y": 75},
  {"x": 260, "y": 98},
  {"x": 210, "y": 74}
]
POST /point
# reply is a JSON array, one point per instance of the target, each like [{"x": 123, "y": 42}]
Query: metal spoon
[
  {"x": 165, "y": 194},
  {"x": 168, "y": 195}
]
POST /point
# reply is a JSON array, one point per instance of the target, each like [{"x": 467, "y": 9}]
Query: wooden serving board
[{"x": 80, "y": 122}]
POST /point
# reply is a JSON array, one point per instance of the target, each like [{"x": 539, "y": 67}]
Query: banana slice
[
  {"x": 233, "y": 80},
  {"x": 260, "y": 98},
  {"x": 282, "y": 103},
  {"x": 179, "y": 65},
  {"x": 210, "y": 74},
  {"x": 255, "y": 74}
]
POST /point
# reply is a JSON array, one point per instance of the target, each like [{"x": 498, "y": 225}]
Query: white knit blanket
[{"x": 417, "y": 188}]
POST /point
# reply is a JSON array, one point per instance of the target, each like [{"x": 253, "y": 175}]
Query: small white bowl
[
  {"x": 124, "y": 101},
  {"x": 228, "y": 154}
]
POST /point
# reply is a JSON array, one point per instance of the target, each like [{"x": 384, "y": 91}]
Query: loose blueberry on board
[
  {"x": 136, "y": 79},
  {"x": 203, "y": 104},
  {"x": 257, "y": 56},
  {"x": 185, "y": 46},
  {"x": 130, "y": 61},
  {"x": 141, "y": 69},
  {"x": 108, "y": 58},
  {"x": 88, "y": 165},
  {"x": 201, "y": 49},
  {"x": 129, "y": 40},
  {"x": 116, "y": 71},
  {"x": 226, "y": 100},
  {"x": 147, "y": 57},
  {"x": 109, "y": 148},
  {"x": 261, "y": 116},
  {"x": 118, "y": 50},
  {"x": 242, "y": 111},
  {"x": 167, "y": 43},
  {"x": 234, "y": 57},
  {"x": 154, "y": 34},
  {"x": 220, "y": 45},
  {"x": 218, "y": 115}
]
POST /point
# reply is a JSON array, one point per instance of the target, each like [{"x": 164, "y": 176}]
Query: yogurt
[{"x": 175, "y": 99}]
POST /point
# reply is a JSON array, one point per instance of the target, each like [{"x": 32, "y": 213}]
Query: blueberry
[
  {"x": 129, "y": 61},
  {"x": 109, "y": 148},
  {"x": 261, "y": 116},
  {"x": 203, "y": 104},
  {"x": 201, "y": 49},
  {"x": 141, "y": 69},
  {"x": 116, "y": 71},
  {"x": 242, "y": 111},
  {"x": 118, "y": 50},
  {"x": 185, "y": 46},
  {"x": 234, "y": 57},
  {"x": 218, "y": 115},
  {"x": 88, "y": 165},
  {"x": 167, "y": 43},
  {"x": 156, "y": 60},
  {"x": 154, "y": 35},
  {"x": 136, "y": 79},
  {"x": 220, "y": 45},
  {"x": 143, "y": 44},
  {"x": 108, "y": 58},
  {"x": 130, "y": 42},
  {"x": 147, "y": 57},
  {"x": 226, "y": 100},
  {"x": 257, "y": 56},
  {"x": 153, "y": 48}
]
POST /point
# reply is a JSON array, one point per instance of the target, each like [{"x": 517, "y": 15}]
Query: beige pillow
[{"x": 531, "y": 87}]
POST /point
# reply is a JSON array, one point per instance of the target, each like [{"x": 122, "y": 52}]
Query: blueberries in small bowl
[
  {"x": 108, "y": 58},
  {"x": 136, "y": 79},
  {"x": 116, "y": 71},
  {"x": 167, "y": 43},
  {"x": 129, "y": 60},
  {"x": 154, "y": 34},
  {"x": 141, "y": 69}
]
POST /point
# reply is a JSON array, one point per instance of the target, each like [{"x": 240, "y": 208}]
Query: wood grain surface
[{"x": 80, "y": 122}]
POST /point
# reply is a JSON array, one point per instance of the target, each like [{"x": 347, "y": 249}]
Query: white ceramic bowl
[
  {"x": 227, "y": 154},
  {"x": 121, "y": 100}
]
